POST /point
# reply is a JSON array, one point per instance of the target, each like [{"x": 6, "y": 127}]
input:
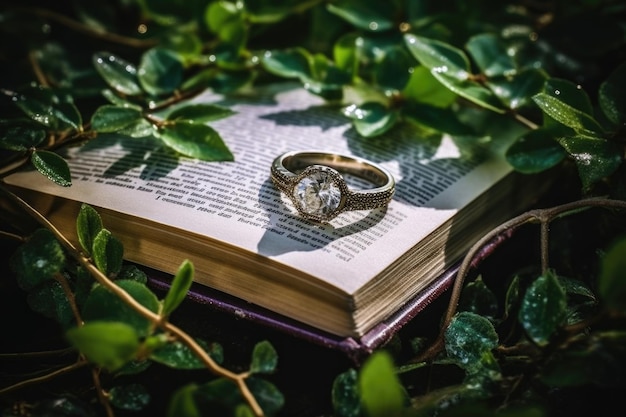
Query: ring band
[{"x": 312, "y": 180}]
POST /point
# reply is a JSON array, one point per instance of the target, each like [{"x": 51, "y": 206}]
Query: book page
[{"x": 236, "y": 202}]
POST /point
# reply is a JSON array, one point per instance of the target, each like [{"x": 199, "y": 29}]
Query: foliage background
[{"x": 76, "y": 69}]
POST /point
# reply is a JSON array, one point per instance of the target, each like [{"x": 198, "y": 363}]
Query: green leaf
[
  {"x": 372, "y": 16},
  {"x": 468, "y": 338},
  {"x": 196, "y": 141},
  {"x": 392, "y": 72},
  {"x": 180, "y": 286},
  {"x": 371, "y": 119},
  {"x": 51, "y": 108},
  {"x": 567, "y": 115},
  {"x": 490, "y": 55},
  {"x": 182, "y": 402},
  {"x": 160, "y": 71},
  {"x": 439, "y": 119},
  {"x": 479, "y": 299},
  {"x": 291, "y": 63},
  {"x": 439, "y": 57},
  {"x": 20, "y": 135},
  {"x": 178, "y": 356},
  {"x": 423, "y": 87},
  {"x": 38, "y": 260},
  {"x": 200, "y": 113},
  {"x": 50, "y": 300},
  {"x": 611, "y": 96},
  {"x": 131, "y": 272},
  {"x": 595, "y": 158},
  {"x": 107, "y": 252},
  {"x": 535, "y": 151},
  {"x": 104, "y": 305},
  {"x": 516, "y": 91},
  {"x": 543, "y": 308},
  {"x": 345, "y": 395},
  {"x": 612, "y": 279},
  {"x": 570, "y": 93},
  {"x": 226, "y": 20},
  {"x": 131, "y": 397},
  {"x": 53, "y": 167},
  {"x": 119, "y": 74},
  {"x": 110, "y": 118},
  {"x": 88, "y": 225},
  {"x": 264, "y": 358},
  {"x": 451, "y": 67},
  {"x": 382, "y": 394},
  {"x": 109, "y": 345},
  {"x": 269, "y": 397}
]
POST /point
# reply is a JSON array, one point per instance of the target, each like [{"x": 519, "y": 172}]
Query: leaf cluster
[
  {"x": 105, "y": 320},
  {"x": 132, "y": 68}
]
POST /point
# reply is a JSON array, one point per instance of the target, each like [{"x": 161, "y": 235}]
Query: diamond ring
[{"x": 313, "y": 182}]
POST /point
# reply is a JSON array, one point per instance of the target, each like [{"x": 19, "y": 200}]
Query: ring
[{"x": 311, "y": 179}]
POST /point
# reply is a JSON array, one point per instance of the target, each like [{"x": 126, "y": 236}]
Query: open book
[{"x": 243, "y": 236}]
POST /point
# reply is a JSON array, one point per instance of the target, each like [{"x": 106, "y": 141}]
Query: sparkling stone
[{"x": 318, "y": 194}]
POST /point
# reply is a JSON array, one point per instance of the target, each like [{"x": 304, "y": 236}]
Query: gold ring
[{"x": 313, "y": 182}]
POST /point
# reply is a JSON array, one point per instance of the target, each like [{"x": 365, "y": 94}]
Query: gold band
[{"x": 312, "y": 180}]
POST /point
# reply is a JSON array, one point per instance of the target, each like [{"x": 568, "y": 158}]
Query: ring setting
[{"x": 312, "y": 180}]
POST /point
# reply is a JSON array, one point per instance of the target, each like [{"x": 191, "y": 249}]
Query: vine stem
[
  {"x": 155, "y": 318},
  {"x": 542, "y": 216}
]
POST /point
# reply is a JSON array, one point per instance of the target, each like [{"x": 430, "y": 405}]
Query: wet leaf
[
  {"x": 118, "y": 73},
  {"x": 451, "y": 67},
  {"x": 535, "y": 151},
  {"x": 516, "y": 91},
  {"x": 345, "y": 395},
  {"x": 611, "y": 96},
  {"x": 51, "y": 108},
  {"x": 110, "y": 118},
  {"x": 490, "y": 54},
  {"x": 53, "y": 167},
  {"x": 107, "y": 344},
  {"x": 291, "y": 63},
  {"x": 160, "y": 71},
  {"x": 371, "y": 119},
  {"x": 595, "y": 158},
  {"x": 132, "y": 397},
  {"x": 196, "y": 141},
  {"x": 20, "y": 135},
  {"x": 38, "y": 260},
  {"x": 50, "y": 300},
  {"x": 543, "y": 308},
  {"x": 423, "y": 87},
  {"x": 178, "y": 356},
  {"x": 264, "y": 358},
  {"x": 479, "y": 299},
  {"x": 468, "y": 338},
  {"x": 567, "y": 115}
]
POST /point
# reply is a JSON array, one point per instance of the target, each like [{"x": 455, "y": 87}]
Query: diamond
[{"x": 318, "y": 194}]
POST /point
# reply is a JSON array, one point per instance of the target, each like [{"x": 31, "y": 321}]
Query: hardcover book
[{"x": 349, "y": 283}]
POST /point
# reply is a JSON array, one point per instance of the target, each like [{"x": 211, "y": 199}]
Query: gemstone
[{"x": 318, "y": 194}]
